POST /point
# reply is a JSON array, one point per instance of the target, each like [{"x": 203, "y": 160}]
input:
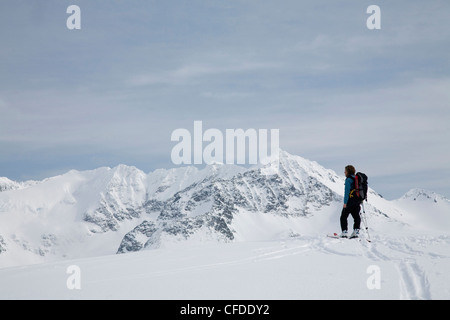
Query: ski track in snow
[
  {"x": 414, "y": 284},
  {"x": 413, "y": 280},
  {"x": 275, "y": 253}
]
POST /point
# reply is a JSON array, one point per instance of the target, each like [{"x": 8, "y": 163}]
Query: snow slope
[{"x": 297, "y": 267}]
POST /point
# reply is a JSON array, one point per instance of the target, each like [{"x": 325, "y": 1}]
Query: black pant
[{"x": 353, "y": 208}]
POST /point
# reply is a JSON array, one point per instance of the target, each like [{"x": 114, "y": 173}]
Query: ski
[
  {"x": 359, "y": 239},
  {"x": 336, "y": 236}
]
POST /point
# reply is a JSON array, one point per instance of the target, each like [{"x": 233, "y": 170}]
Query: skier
[{"x": 351, "y": 204}]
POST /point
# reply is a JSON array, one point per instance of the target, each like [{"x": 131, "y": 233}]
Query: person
[{"x": 351, "y": 204}]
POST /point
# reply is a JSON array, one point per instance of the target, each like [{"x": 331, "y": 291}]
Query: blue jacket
[{"x": 349, "y": 186}]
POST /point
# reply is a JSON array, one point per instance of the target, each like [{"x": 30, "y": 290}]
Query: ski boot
[{"x": 355, "y": 234}]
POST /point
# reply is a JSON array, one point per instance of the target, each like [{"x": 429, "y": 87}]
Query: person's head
[{"x": 350, "y": 171}]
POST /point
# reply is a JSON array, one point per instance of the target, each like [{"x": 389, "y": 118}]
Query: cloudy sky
[{"x": 114, "y": 91}]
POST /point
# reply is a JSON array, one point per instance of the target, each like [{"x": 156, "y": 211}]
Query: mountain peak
[
  {"x": 418, "y": 194},
  {"x": 6, "y": 184}
]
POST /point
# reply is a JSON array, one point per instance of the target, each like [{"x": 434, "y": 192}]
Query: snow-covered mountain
[
  {"x": 6, "y": 184},
  {"x": 432, "y": 210},
  {"x": 122, "y": 209}
]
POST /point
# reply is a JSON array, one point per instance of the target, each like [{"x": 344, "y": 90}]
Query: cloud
[
  {"x": 191, "y": 72},
  {"x": 227, "y": 95}
]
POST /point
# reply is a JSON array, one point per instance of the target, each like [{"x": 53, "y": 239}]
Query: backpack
[{"x": 361, "y": 186}]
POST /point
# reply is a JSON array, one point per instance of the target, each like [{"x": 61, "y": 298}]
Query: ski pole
[{"x": 365, "y": 221}]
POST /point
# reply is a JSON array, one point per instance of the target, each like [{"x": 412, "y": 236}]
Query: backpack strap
[{"x": 357, "y": 185}]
